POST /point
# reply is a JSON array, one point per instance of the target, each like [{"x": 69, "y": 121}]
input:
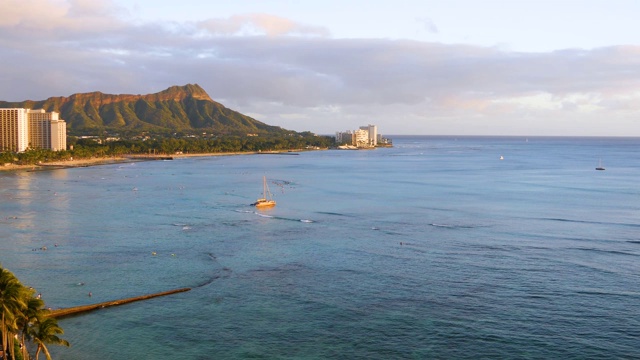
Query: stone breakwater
[{"x": 59, "y": 313}]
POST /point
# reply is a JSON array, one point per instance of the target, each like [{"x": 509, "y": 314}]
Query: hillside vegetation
[{"x": 179, "y": 108}]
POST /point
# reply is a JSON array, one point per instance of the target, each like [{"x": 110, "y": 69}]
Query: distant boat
[
  {"x": 267, "y": 198},
  {"x": 599, "y": 167}
]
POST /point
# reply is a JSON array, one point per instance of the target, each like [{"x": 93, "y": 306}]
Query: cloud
[
  {"x": 259, "y": 24},
  {"x": 297, "y": 77},
  {"x": 50, "y": 17}
]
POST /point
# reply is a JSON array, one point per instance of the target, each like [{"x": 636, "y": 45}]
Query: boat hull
[{"x": 264, "y": 204}]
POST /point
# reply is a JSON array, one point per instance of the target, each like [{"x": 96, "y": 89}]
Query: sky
[{"x": 427, "y": 67}]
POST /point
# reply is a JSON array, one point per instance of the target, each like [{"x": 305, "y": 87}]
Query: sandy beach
[
  {"x": 65, "y": 164},
  {"x": 121, "y": 159}
]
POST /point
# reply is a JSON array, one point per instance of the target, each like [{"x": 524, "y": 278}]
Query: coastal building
[
  {"x": 14, "y": 130},
  {"x": 372, "y": 134},
  {"x": 58, "y": 135},
  {"x": 46, "y": 130},
  {"x": 364, "y": 137},
  {"x": 24, "y": 128},
  {"x": 345, "y": 137}
]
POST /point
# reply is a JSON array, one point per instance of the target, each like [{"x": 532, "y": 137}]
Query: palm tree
[
  {"x": 12, "y": 301},
  {"x": 32, "y": 314},
  {"x": 23, "y": 316},
  {"x": 45, "y": 333}
]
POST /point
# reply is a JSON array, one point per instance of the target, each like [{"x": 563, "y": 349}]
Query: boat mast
[{"x": 264, "y": 187}]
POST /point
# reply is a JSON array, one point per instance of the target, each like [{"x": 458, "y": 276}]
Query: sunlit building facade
[
  {"x": 58, "y": 135},
  {"x": 372, "y": 134},
  {"x": 364, "y": 137},
  {"x": 14, "y": 130},
  {"x": 21, "y": 129}
]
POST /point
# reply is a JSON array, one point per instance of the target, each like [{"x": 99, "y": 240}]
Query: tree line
[
  {"x": 24, "y": 321},
  {"x": 82, "y": 148}
]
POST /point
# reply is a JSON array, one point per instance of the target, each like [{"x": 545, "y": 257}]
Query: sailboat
[
  {"x": 599, "y": 167},
  {"x": 267, "y": 199}
]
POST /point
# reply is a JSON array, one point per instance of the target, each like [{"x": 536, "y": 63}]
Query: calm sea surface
[{"x": 435, "y": 248}]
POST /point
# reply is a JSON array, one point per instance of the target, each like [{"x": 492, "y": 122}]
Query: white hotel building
[
  {"x": 365, "y": 136},
  {"x": 24, "y": 128}
]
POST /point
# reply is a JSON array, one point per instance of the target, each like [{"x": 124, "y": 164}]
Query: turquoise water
[{"x": 432, "y": 249}]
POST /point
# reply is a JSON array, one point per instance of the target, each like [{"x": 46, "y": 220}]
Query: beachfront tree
[
  {"x": 6, "y": 157},
  {"x": 47, "y": 332},
  {"x": 11, "y": 304},
  {"x": 24, "y": 318},
  {"x": 33, "y": 314}
]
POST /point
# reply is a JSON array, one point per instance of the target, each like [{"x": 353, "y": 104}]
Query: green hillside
[{"x": 179, "y": 108}]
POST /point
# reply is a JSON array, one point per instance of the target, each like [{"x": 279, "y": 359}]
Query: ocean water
[{"x": 434, "y": 248}]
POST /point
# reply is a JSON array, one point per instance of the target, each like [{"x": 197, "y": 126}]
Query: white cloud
[
  {"x": 259, "y": 24},
  {"x": 46, "y": 18},
  {"x": 259, "y": 64}
]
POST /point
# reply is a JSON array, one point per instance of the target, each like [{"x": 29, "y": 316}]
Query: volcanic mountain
[{"x": 178, "y": 108}]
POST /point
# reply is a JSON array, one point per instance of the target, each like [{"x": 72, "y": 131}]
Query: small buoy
[{"x": 153, "y": 253}]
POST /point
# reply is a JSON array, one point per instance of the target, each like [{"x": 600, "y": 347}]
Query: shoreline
[
  {"x": 68, "y": 164},
  {"x": 65, "y": 164}
]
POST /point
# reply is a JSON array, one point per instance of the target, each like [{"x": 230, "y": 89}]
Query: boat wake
[
  {"x": 244, "y": 211},
  {"x": 306, "y": 221},
  {"x": 264, "y": 215}
]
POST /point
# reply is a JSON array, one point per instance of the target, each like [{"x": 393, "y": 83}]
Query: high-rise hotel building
[
  {"x": 365, "y": 136},
  {"x": 14, "y": 129},
  {"x": 372, "y": 134},
  {"x": 24, "y": 128}
]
